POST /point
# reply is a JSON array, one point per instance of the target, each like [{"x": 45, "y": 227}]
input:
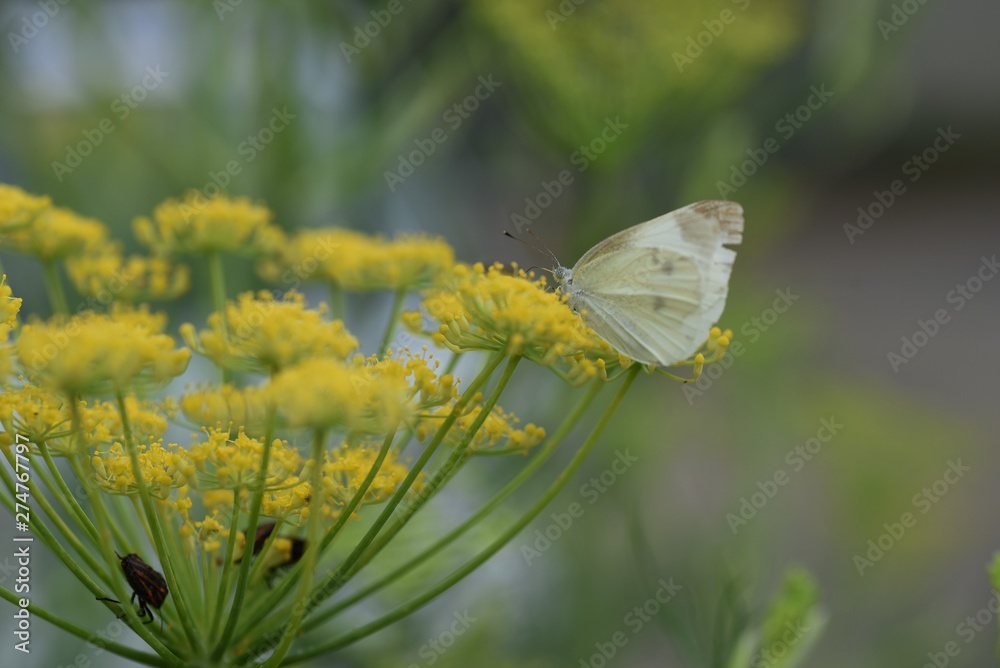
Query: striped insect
[
  {"x": 147, "y": 585},
  {"x": 285, "y": 550}
]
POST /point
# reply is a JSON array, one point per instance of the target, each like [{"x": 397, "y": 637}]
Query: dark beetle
[{"x": 147, "y": 585}]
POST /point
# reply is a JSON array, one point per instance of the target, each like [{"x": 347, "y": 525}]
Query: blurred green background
[{"x": 801, "y": 111}]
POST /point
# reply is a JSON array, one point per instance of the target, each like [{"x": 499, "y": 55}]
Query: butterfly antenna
[
  {"x": 544, "y": 247},
  {"x": 543, "y": 250}
]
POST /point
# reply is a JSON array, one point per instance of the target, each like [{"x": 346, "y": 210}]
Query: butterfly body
[{"x": 654, "y": 290}]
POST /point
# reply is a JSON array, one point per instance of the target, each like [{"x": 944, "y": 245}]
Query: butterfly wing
[{"x": 654, "y": 290}]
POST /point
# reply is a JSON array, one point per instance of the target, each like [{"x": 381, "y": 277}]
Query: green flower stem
[
  {"x": 227, "y": 564},
  {"x": 57, "y": 297},
  {"x": 251, "y": 531},
  {"x": 39, "y": 526},
  {"x": 446, "y": 583},
  {"x": 397, "y": 307},
  {"x": 178, "y": 588},
  {"x": 452, "y": 363},
  {"x": 103, "y": 522},
  {"x": 74, "y": 463},
  {"x": 311, "y": 556},
  {"x": 40, "y": 499},
  {"x": 217, "y": 279},
  {"x": 338, "y": 308},
  {"x": 67, "y": 498},
  {"x": 89, "y": 636},
  {"x": 359, "y": 495},
  {"x": 287, "y": 582},
  {"x": 333, "y": 582},
  {"x": 540, "y": 458},
  {"x": 191, "y": 583},
  {"x": 443, "y": 474},
  {"x": 258, "y": 564}
]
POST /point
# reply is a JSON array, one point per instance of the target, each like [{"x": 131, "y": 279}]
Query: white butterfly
[{"x": 654, "y": 290}]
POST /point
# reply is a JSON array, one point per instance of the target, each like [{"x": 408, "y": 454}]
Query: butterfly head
[{"x": 563, "y": 275}]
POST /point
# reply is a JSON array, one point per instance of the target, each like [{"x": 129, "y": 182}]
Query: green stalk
[
  {"x": 217, "y": 279},
  {"x": 310, "y": 557},
  {"x": 156, "y": 531},
  {"x": 251, "y": 531},
  {"x": 74, "y": 463},
  {"x": 345, "y": 515},
  {"x": 537, "y": 461},
  {"x": 220, "y": 601},
  {"x": 331, "y": 583},
  {"x": 347, "y": 568},
  {"x": 258, "y": 564},
  {"x": 338, "y": 308},
  {"x": 38, "y": 525},
  {"x": 390, "y": 328},
  {"x": 57, "y": 521},
  {"x": 443, "y": 474},
  {"x": 494, "y": 547},
  {"x": 50, "y": 276},
  {"x": 89, "y": 636},
  {"x": 67, "y": 499},
  {"x": 359, "y": 495},
  {"x": 104, "y": 544}
]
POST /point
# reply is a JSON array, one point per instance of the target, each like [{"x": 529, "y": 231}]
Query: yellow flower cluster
[
  {"x": 358, "y": 262},
  {"x": 163, "y": 469},
  {"x": 107, "y": 275},
  {"x": 18, "y": 208},
  {"x": 10, "y": 306},
  {"x": 239, "y": 408},
  {"x": 101, "y": 421},
  {"x": 366, "y": 396},
  {"x": 33, "y": 412},
  {"x": 54, "y": 233},
  {"x": 93, "y": 352},
  {"x": 490, "y": 309},
  {"x": 234, "y": 463},
  {"x": 262, "y": 333},
  {"x": 498, "y": 433},
  {"x": 199, "y": 224},
  {"x": 345, "y": 469}
]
